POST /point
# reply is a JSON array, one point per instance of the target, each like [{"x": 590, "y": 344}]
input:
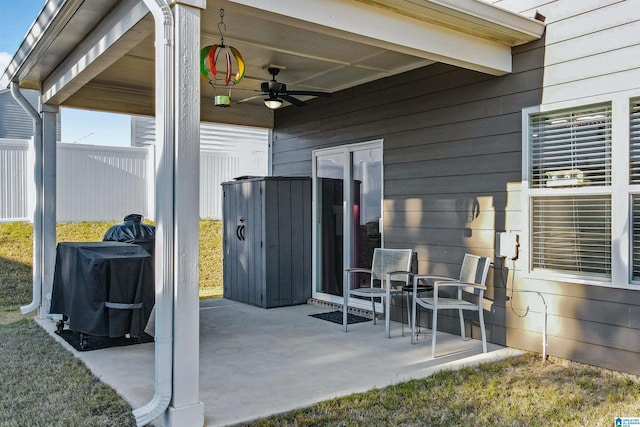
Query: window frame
[
  {"x": 620, "y": 191},
  {"x": 634, "y": 191}
]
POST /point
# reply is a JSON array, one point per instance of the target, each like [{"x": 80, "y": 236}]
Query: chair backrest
[
  {"x": 385, "y": 260},
  {"x": 474, "y": 270}
]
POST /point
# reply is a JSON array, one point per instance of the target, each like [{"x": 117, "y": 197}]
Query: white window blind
[
  {"x": 634, "y": 178},
  {"x": 634, "y": 142},
  {"x": 571, "y": 148},
  {"x": 572, "y": 234},
  {"x": 635, "y": 242}
]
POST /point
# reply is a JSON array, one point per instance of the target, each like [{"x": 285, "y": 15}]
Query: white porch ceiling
[{"x": 98, "y": 54}]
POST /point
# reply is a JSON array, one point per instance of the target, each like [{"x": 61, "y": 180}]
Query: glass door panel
[
  {"x": 329, "y": 196},
  {"x": 366, "y": 187},
  {"x": 357, "y": 168}
]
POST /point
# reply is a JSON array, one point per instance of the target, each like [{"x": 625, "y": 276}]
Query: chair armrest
[
  {"x": 389, "y": 273},
  {"x": 358, "y": 270},
  {"x": 457, "y": 283},
  {"x": 424, "y": 277},
  {"x": 428, "y": 276}
]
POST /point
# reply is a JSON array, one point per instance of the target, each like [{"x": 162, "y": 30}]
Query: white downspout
[
  {"x": 163, "y": 18},
  {"x": 37, "y": 214}
]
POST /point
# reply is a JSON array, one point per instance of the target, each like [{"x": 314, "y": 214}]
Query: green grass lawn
[
  {"x": 41, "y": 384},
  {"x": 520, "y": 391},
  {"x": 16, "y": 255}
]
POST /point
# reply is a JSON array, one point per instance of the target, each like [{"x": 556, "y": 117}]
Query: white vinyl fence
[
  {"x": 216, "y": 169},
  {"x": 226, "y": 152},
  {"x": 93, "y": 183},
  {"x": 96, "y": 183},
  {"x": 14, "y": 200}
]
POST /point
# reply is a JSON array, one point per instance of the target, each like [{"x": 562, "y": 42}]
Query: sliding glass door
[{"x": 347, "y": 196}]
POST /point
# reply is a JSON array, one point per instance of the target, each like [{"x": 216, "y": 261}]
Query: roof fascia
[
  {"x": 110, "y": 40},
  {"x": 51, "y": 20},
  {"x": 403, "y": 32},
  {"x": 524, "y": 29}
]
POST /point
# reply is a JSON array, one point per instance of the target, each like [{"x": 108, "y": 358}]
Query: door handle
[{"x": 240, "y": 232}]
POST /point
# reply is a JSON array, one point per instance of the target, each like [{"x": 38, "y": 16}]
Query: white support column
[
  {"x": 620, "y": 227},
  {"x": 151, "y": 182},
  {"x": 186, "y": 408},
  {"x": 49, "y": 143},
  {"x": 270, "y": 154}
]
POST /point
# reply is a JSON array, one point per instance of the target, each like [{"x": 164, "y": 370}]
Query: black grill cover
[
  {"x": 133, "y": 230},
  {"x": 99, "y": 285}
]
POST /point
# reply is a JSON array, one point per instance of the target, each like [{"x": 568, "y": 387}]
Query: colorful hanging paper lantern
[
  {"x": 211, "y": 63},
  {"x": 223, "y": 59}
]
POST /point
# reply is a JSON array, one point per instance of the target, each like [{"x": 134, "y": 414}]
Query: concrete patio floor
[{"x": 256, "y": 362}]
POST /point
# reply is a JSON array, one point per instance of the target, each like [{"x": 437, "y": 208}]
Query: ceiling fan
[{"x": 277, "y": 92}]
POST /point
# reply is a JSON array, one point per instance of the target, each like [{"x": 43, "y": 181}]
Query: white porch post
[
  {"x": 49, "y": 145},
  {"x": 186, "y": 408}
]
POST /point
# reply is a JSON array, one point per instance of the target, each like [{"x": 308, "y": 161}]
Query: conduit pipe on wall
[
  {"x": 164, "y": 28},
  {"x": 544, "y": 329},
  {"x": 38, "y": 236}
]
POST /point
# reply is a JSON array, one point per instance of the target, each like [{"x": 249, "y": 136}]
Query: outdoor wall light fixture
[{"x": 213, "y": 73}]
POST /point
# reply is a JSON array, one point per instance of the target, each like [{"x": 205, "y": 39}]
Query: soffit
[{"x": 313, "y": 55}]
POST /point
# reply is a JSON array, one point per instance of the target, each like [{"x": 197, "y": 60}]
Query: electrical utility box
[
  {"x": 267, "y": 240},
  {"x": 507, "y": 245}
]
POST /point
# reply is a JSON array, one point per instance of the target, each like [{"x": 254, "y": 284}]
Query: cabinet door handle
[{"x": 240, "y": 232}]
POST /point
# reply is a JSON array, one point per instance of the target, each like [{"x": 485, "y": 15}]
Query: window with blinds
[
  {"x": 634, "y": 178},
  {"x": 572, "y": 234},
  {"x": 635, "y": 237},
  {"x": 634, "y": 142},
  {"x": 571, "y": 148}
]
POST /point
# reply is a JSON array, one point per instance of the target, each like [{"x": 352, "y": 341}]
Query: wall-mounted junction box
[{"x": 507, "y": 245}]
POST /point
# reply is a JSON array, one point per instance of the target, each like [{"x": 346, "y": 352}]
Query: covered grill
[{"x": 133, "y": 230}]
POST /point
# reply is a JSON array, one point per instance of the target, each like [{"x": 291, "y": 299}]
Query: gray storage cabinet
[{"x": 267, "y": 240}]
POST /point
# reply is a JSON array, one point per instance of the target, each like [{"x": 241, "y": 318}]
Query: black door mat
[
  {"x": 86, "y": 342},
  {"x": 336, "y": 317}
]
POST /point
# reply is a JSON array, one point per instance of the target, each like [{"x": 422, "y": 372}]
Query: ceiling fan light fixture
[
  {"x": 273, "y": 103},
  {"x": 277, "y": 92}
]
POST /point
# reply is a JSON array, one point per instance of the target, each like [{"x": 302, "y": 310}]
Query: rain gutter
[
  {"x": 37, "y": 213},
  {"x": 163, "y": 18}
]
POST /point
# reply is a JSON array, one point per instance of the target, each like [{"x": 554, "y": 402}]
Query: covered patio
[
  {"x": 143, "y": 57},
  {"x": 256, "y": 362}
]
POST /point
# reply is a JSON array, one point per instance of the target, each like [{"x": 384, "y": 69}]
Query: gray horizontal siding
[
  {"x": 15, "y": 123},
  {"x": 452, "y": 168},
  {"x": 452, "y": 153},
  {"x": 591, "y": 46}
]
